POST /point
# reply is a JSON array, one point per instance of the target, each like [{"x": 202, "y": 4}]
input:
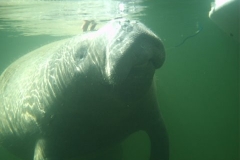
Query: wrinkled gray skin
[{"x": 76, "y": 96}]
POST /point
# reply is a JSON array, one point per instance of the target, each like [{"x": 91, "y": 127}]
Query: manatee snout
[
  {"x": 148, "y": 50},
  {"x": 130, "y": 44}
]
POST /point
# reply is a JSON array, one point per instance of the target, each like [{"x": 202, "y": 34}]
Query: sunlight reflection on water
[{"x": 63, "y": 18}]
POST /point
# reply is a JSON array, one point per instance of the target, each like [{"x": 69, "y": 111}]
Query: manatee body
[{"x": 83, "y": 94}]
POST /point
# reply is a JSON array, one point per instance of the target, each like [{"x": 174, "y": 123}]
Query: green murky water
[{"x": 198, "y": 86}]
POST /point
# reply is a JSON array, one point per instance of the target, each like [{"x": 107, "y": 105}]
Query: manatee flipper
[
  {"x": 39, "y": 153},
  {"x": 155, "y": 128},
  {"x": 159, "y": 140}
]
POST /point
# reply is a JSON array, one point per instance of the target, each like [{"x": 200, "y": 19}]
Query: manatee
[{"x": 79, "y": 95}]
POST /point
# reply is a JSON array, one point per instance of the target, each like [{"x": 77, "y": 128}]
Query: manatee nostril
[
  {"x": 125, "y": 25},
  {"x": 127, "y": 28},
  {"x": 119, "y": 40}
]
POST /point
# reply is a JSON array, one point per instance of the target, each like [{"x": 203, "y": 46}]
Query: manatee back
[
  {"x": 31, "y": 59},
  {"x": 21, "y": 104}
]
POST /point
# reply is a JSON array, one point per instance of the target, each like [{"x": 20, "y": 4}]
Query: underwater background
[{"x": 197, "y": 87}]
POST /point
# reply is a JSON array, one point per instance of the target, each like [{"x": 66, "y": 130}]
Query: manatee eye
[{"x": 81, "y": 52}]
